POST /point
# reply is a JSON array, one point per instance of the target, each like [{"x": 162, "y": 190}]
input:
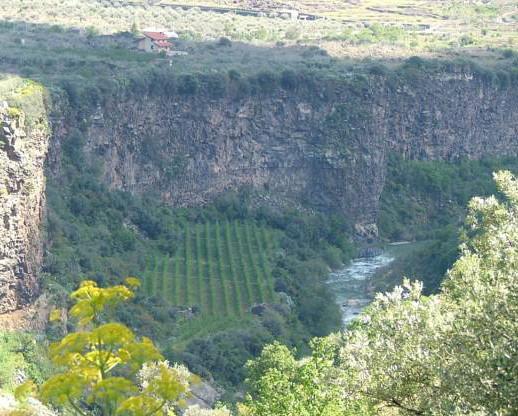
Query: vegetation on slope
[
  {"x": 104, "y": 368},
  {"x": 409, "y": 354},
  {"x": 222, "y": 268},
  {"x": 203, "y": 268},
  {"x": 390, "y": 29},
  {"x": 23, "y": 355},
  {"x": 425, "y": 201},
  {"x": 105, "y": 235},
  {"x": 94, "y": 40}
]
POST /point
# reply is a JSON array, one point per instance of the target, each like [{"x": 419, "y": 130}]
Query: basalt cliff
[
  {"x": 321, "y": 145},
  {"x": 23, "y": 148}
]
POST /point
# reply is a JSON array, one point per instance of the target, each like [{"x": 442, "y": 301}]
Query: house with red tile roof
[{"x": 156, "y": 41}]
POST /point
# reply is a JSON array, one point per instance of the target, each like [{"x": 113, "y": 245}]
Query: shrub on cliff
[
  {"x": 266, "y": 81},
  {"x": 289, "y": 79},
  {"x": 21, "y": 356},
  {"x": 216, "y": 85},
  {"x": 188, "y": 85}
]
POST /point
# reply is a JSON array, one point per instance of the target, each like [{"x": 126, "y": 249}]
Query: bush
[
  {"x": 288, "y": 79},
  {"x": 378, "y": 69},
  {"x": 21, "y": 357},
  {"x": 225, "y": 42},
  {"x": 234, "y": 75},
  {"x": 508, "y": 53},
  {"x": 266, "y": 81},
  {"x": 415, "y": 62},
  {"x": 466, "y": 40},
  {"x": 188, "y": 85},
  {"x": 333, "y": 257},
  {"x": 216, "y": 85}
]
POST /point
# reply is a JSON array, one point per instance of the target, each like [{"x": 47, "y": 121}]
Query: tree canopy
[{"x": 451, "y": 353}]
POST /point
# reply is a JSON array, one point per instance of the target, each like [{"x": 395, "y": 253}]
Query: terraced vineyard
[{"x": 223, "y": 268}]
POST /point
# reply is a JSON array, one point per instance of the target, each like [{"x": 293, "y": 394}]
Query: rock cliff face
[
  {"x": 323, "y": 146},
  {"x": 22, "y": 184}
]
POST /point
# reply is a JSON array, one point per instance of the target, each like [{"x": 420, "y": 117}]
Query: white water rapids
[{"x": 350, "y": 284}]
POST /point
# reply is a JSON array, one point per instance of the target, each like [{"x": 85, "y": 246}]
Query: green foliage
[
  {"x": 281, "y": 385},
  {"x": 188, "y": 85},
  {"x": 266, "y": 81},
  {"x": 22, "y": 356},
  {"x": 425, "y": 200},
  {"x": 223, "y": 41},
  {"x": 452, "y": 353},
  {"x": 376, "y": 33},
  {"x": 220, "y": 260},
  {"x": 222, "y": 354},
  {"x": 482, "y": 288},
  {"x": 105, "y": 368},
  {"x": 26, "y": 98},
  {"x": 396, "y": 341},
  {"x": 289, "y": 79},
  {"x": 409, "y": 354}
]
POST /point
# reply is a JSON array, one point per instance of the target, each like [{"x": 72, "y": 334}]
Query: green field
[{"x": 223, "y": 268}]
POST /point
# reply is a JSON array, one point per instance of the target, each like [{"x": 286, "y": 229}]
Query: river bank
[{"x": 353, "y": 286}]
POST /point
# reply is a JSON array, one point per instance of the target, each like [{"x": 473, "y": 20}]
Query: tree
[
  {"x": 105, "y": 368},
  {"x": 392, "y": 355},
  {"x": 281, "y": 385},
  {"x": 482, "y": 289},
  {"x": 454, "y": 353}
]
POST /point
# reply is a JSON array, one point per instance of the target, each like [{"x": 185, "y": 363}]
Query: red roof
[
  {"x": 156, "y": 35},
  {"x": 163, "y": 43}
]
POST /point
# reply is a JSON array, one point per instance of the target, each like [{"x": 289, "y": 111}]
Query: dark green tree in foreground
[{"x": 452, "y": 353}]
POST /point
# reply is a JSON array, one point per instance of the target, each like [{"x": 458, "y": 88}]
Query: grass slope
[{"x": 221, "y": 268}]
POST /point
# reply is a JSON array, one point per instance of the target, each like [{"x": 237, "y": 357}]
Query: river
[{"x": 350, "y": 284}]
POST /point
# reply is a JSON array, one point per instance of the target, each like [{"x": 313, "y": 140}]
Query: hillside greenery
[
  {"x": 222, "y": 281},
  {"x": 103, "y": 367},
  {"x": 425, "y": 201},
  {"x": 224, "y": 269},
  {"x": 359, "y": 29},
  {"x": 202, "y": 267},
  {"x": 93, "y": 43},
  {"x": 195, "y": 302},
  {"x": 23, "y": 355},
  {"x": 103, "y": 235},
  {"x": 410, "y": 354},
  {"x": 406, "y": 354}
]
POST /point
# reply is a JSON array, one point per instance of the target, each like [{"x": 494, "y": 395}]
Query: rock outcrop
[
  {"x": 323, "y": 145},
  {"x": 23, "y": 150}
]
